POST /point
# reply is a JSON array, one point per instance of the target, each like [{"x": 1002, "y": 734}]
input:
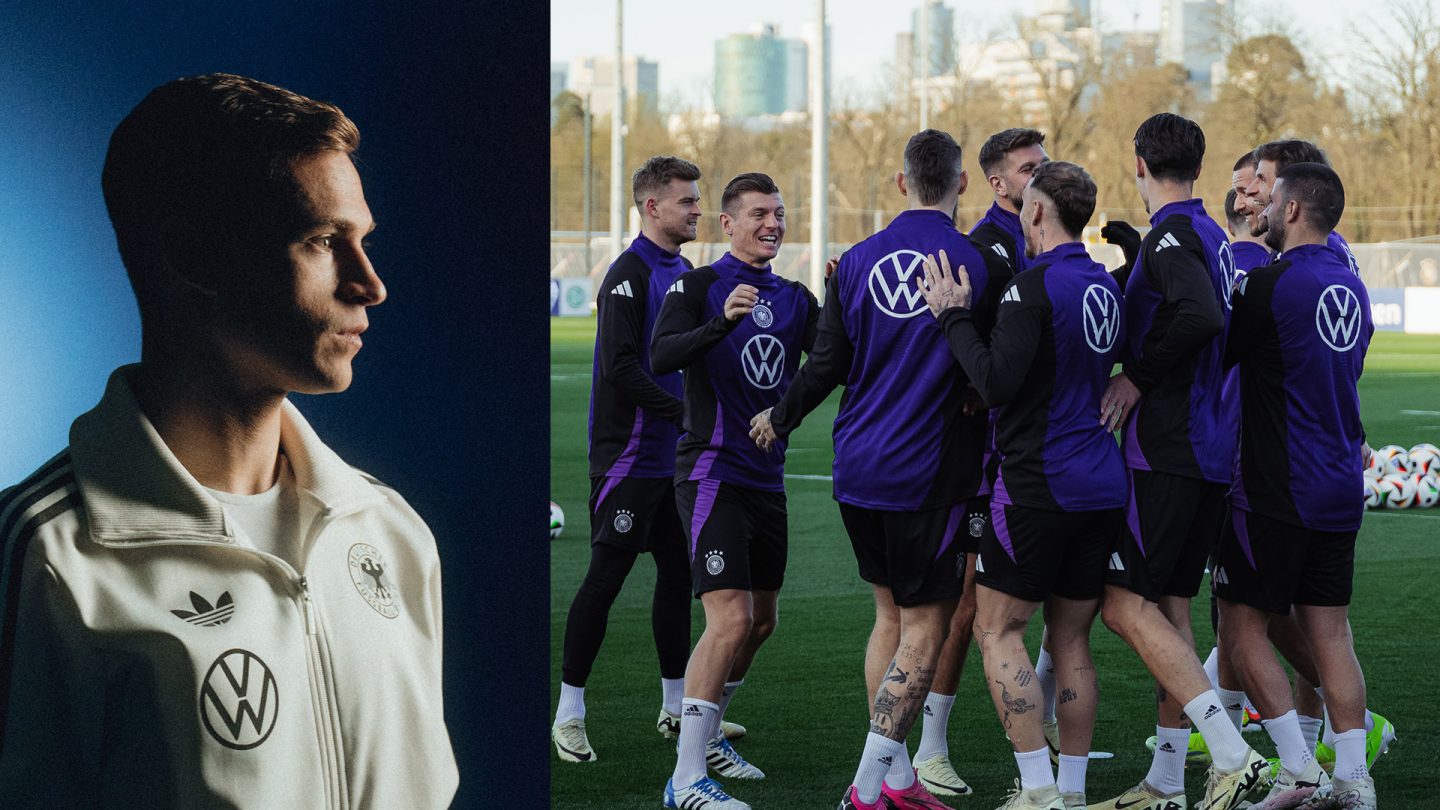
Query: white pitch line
[
  {"x": 1400, "y": 513},
  {"x": 811, "y": 477},
  {"x": 1420, "y": 413}
]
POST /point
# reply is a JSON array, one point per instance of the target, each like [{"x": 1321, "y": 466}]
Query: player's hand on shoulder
[
  {"x": 1119, "y": 398},
  {"x": 1123, "y": 235},
  {"x": 741, "y": 301},
  {"x": 939, "y": 286},
  {"x": 761, "y": 430},
  {"x": 831, "y": 265}
]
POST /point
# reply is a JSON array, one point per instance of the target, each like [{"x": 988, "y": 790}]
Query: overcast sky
[{"x": 681, "y": 36}]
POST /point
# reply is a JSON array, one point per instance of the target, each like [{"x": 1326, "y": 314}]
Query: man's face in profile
[{"x": 294, "y": 306}]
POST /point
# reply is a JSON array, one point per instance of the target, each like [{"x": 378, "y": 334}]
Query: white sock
[
  {"x": 672, "y": 692},
  {"x": 1310, "y": 731},
  {"x": 1167, "y": 766},
  {"x": 696, "y": 717},
  {"x": 572, "y": 703},
  {"x": 1285, "y": 731},
  {"x": 879, "y": 754},
  {"x": 901, "y": 774},
  {"x": 1227, "y": 749},
  {"x": 1045, "y": 674},
  {"x": 1233, "y": 702},
  {"x": 1350, "y": 755},
  {"x": 1035, "y": 768},
  {"x": 725, "y": 697},
  {"x": 1072, "y": 774},
  {"x": 932, "y": 727},
  {"x": 1212, "y": 668}
]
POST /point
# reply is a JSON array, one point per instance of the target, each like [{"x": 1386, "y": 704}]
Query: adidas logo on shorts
[
  {"x": 979, "y": 564},
  {"x": 1221, "y": 577},
  {"x": 1115, "y": 564}
]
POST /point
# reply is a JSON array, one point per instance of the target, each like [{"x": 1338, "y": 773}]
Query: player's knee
[
  {"x": 762, "y": 627},
  {"x": 1118, "y": 617}
]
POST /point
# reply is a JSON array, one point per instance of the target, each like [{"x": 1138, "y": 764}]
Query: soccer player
[
  {"x": 634, "y": 423},
  {"x": 1249, "y": 250},
  {"x": 737, "y": 330},
  {"x": 1060, "y": 486},
  {"x": 1179, "y": 449},
  {"x": 1272, "y": 158},
  {"x": 1008, "y": 158},
  {"x": 204, "y": 604},
  {"x": 1299, "y": 335},
  {"x": 907, "y": 456}
]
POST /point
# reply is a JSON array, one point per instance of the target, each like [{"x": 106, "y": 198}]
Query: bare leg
[
  {"x": 957, "y": 643},
  {"x": 1067, "y": 625},
  {"x": 729, "y": 620},
  {"x": 1168, "y": 654},
  {"x": 1328, "y": 631},
  {"x": 1170, "y": 712},
  {"x": 766, "y": 612},
  {"x": 904, "y": 685},
  {"x": 1000, "y": 621}
]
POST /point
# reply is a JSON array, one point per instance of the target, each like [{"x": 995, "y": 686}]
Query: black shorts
[
  {"x": 737, "y": 536},
  {"x": 1169, "y": 533},
  {"x": 1270, "y": 565},
  {"x": 915, "y": 554},
  {"x": 1033, "y": 553},
  {"x": 977, "y": 520},
  {"x": 636, "y": 514}
]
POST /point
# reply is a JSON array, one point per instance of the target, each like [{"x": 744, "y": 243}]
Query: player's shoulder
[
  {"x": 1260, "y": 283},
  {"x": 39, "y": 500},
  {"x": 693, "y": 281},
  {"x": 396, "y": 509},
  {"x": 1175, "y": 233},
  {"x": 627, "y": 266},
  {"x": 1028, "y": 288}
]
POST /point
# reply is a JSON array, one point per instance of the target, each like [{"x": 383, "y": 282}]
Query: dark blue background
[{"x": 449, "y": 402}]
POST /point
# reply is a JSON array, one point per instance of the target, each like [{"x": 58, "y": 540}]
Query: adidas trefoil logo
[
  {"x": 205, "y": 614},
  {"x": 623, "y": 288},
  {"x": 1168, "y": 240}
]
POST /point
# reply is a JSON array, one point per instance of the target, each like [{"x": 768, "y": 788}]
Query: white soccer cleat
[
  {"x": 939, "y": 777},
  {"x": 1225, "y": 790},
  {"x": 1074, "y": 801},
  {"x": 723, "y": 759},
  {"x": 571, "y": 743},
  {"x": 1052, "y": 741},
  {"x": 1145, "y": 797},
  {"x": 1292, "y": 790},
  {"x": 1042, "y": 798},
  {"x": 668, "y": 724},
  {"x": 705, "y": 794},
  {"x": 731, "y": 731},
  {"x": 1346, "y": 795}
]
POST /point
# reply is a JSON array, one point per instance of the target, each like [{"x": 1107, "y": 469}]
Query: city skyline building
[
  {"x": 595, "y": 75},
  {"x": 759, "y": 73}
]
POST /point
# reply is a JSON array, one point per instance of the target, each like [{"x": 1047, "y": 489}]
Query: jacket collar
[{"x": 134, "y": 489}]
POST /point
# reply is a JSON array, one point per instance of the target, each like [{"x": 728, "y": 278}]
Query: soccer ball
[
  {"x": 1372, "y": 473},
  {"x": 1427, "y": 489},
  {"x": 1397, "y": 490},
  {"x": 557, "y": 520},
  {"x": 1424, "y": 458},
  {"x": 1373, "y": 497},
  {"x": 1374, "y": 467},
  {"x": 1393, "y": 459}
]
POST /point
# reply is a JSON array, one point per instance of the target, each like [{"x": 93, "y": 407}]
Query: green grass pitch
[{"x": 804, "y": 700}]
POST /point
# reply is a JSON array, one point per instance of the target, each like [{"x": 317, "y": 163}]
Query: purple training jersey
[{"x": 1300, "y": 332}]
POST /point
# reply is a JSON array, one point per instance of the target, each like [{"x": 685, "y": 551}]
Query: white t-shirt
[{"x": 270, "y": 520}]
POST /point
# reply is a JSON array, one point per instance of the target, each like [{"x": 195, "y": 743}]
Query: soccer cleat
[
  {"x": 1377, "y": 740},
  {"x": 1144, "y": 797},
  {"x": 571, "y": 743},
  {"x": 1346, "y": 795},
  {"x": 705, "y": 794},
  {"x": 1074, "y": 801},
  {"x": 939, "y": 776},
  {"x": 1196, "y": 753},
  {"x": 915, "y": 797},
  {"x": 1250, "y": 721},
  {"x": 1291, "y": 790},
  {"x": 1041, "y": 798},
  {"x": 723, "y": 759},
  {"x": 1052, "y": 741},
  {"x": 1225, "y": 790},
  {"x": 852, "y": 802},
  {"x": 669, "y": 727},
  {"x": 731, "y": 731}
]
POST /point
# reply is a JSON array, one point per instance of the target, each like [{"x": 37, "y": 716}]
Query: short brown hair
[
  {"x": 1071, "y": 189},
  {"x": 742, "y": 183},
  {"x": 1245, "y": 161},
  {"x": 656, "y": 173},
  {"x": 199, "y": 154},
  {"x": 1292, "y": 150},
  {"x": 1235, "y": 219},
  {"x": 932, "y": 165},
  {"x": 1002, "y": 143}
]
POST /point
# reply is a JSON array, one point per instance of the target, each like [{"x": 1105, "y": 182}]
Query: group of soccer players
[{"x": 978, "y": 473}]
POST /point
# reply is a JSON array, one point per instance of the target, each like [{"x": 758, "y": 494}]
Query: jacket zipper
[{"x": 320, "y": 680}]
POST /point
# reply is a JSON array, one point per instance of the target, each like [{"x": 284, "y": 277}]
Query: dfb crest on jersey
[
  {"x": 763, "y": 316},
  {"x": 762, "y": 359},
  {"x": 893, "y": 284},
  {"x": 1102, "y": 318},
  {"x": 239, "y": 700},
  {"x": 1228, "y": 274},
  {"x": 1337, "y": 317}
]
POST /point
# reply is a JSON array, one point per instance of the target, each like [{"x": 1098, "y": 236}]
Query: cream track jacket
[{"x": 149, "y": 660}]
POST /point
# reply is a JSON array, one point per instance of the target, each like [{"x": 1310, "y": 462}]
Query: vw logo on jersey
[
  {"x": 763, "y": 316},
  {"x": 1228, "y": 273},
  {"x": 762, "y": 359},
  {"x": 1337, "y": 317},
  {"x": 893, "y": 284},
  {"x": 239, "y": 700},
  {"x": 1102, "y": 318}
]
